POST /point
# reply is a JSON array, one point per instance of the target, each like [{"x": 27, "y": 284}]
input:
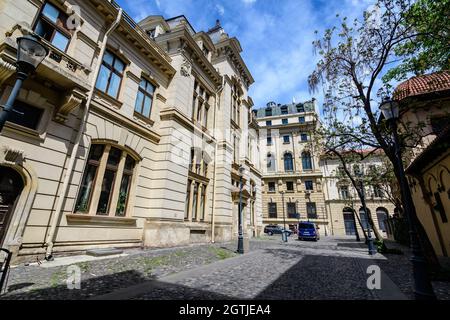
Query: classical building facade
[
  {"x": 127, "y": 135},
  {"x": 292, "y": 178},
  {"x": 343, "y": 204}
]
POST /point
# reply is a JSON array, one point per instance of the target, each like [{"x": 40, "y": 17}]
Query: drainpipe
[
  {"x": 56, "y": 216},
  {"x": 213, "y": 220}
]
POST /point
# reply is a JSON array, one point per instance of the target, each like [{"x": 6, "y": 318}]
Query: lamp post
[
  {"x": 30, "y": 54},
  {"x": 240, "y": 248},
  {"x": 284, "y": 218},
  {"x": 360, "y": 175},
  {"x": 422, "y": 285}
]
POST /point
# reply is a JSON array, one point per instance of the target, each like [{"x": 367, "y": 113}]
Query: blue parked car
[{"x": 308, "y": 230}]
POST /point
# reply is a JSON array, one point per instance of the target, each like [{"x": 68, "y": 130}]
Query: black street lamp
[
  {"x": 241, "y": 218},
  {"x": 30, "y": 54},
  {"x": 360, "y": 175},
  {"x": 422, "y": 285}
]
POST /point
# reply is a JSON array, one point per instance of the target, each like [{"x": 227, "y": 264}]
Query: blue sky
[{"x": 276, "y": 35}]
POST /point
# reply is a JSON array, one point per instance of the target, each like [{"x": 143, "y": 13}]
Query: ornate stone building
[
  {"x": 342, "y": 201},
  {"x": 127, "y": 135},
  {"x": 292, "y": 177}
]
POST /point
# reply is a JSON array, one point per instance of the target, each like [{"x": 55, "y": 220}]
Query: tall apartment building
[
  {"x": 131, "y": 135},
  {"x": 292, "y": 178}
]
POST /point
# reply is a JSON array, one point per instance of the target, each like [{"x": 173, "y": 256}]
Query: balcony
[{"x": 58, "y": 71}]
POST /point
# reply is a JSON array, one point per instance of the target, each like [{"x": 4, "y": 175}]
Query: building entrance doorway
[
  {"x": 11, "y": 185},
  {"x": 349, "y": 223}
]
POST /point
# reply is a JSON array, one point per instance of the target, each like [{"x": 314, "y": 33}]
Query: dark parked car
[{"x": 275, "y": 229}]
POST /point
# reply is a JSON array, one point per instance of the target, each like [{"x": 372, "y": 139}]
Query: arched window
[
  {"x": 382, "y": 216},
  {"x": 270, "y": 162},
  {"x": 364, "y": 218},
  {"x": 106, "y": 183},
  {"x": 288, "y": 163},
  {"x": 306, "y": 161}
]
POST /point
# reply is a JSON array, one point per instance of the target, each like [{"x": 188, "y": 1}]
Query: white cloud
[
  {"x": 248, "y": 1},
  {"x": 220, "y": 9}
]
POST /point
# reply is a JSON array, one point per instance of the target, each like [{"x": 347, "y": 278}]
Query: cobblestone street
[{"x": 329, "y": 269}]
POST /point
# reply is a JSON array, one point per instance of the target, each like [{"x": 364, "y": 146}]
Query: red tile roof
[{"x": 416, "y": 86}]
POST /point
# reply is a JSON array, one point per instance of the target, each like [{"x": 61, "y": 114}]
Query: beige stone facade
[
  {"x": 342, "y": 200},
  {"x": 134, "y": 134},
  {"x": 292, "y": 178}
]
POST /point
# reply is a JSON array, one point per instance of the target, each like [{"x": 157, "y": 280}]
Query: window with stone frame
[
  {"x": 200, "y": 105},
  {"x": 26, "y": 115},
  {"x": 273, "y": 214},
  {"x": 290, "y": 186},
  {"x": 144, "y": 99},
  {"x": 195, "y": 206},
  {"x": 311, "y": 210},
  {"x": 378, "y": 192},
  {"x": 107, "y": 181},
  {"x": 52, "y": 26},
  {"x": 111, "y": 74},
  {"x": 235, "y": 105},
  {"x": 272, "y": 187},
  {"x": 344, "y": 192},
  {"x": 291, "y": 210},
  {"x": 309, "y": 185}
]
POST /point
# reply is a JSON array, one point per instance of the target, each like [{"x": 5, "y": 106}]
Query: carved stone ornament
[
  {"x": 72, "y": 100},
  {"x": 11, "y": 156},
  {"x": 186, "y": 68}
]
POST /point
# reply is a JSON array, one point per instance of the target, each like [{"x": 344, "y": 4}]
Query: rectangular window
[
  {"x": 284, "y": 121},
  {"x": 378, "y": 192},
  {"x": 272, "y": 187},
  {"x": 52, "y": 26},
  {"x": 286, "y": 139},
  {"x": 269, "y": 141},
  {"x": 125, "y": 186},
  {"x": 110, "y": 76},
  {"x": 304, "y": 137},
  {"x": 188, "y": 198},
  {"x": 144, "y": 100},
  {"x": 268, "y": 112},
  {"x": 301, "y": 119},
  {"x": 309, "y": 185},
  {"x": 284, "y": 110},
  {"x": 273, "y": 210},
  {"x": 203, "y": 203},
  {"x": 311, "y": 210},
  {"x": 343, "y": 191},
  {"x": 268, "y": 123},
  {"x": 289, "y": 186},
  {"x": 300, "y": 108},
  {"x": 90, "y": 173},
  {"x": 25, "y": 115},
  {"x": 291, "y": 210},
  {"x": 194, "y": 201}
]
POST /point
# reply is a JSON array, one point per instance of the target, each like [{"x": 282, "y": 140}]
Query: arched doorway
[
  {"x": 349, "y": 222},
  {"x": 382, "y": 216},
  {"x": 11, "y": 185}
]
